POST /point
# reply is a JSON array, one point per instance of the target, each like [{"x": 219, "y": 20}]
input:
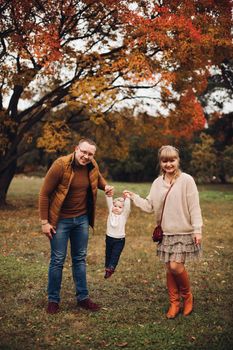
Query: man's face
[{"x": 84, "y": 153}]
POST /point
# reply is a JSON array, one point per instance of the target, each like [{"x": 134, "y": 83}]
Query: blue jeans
[
  {"x": 76, "y": 229},
  {"x": 114, "y": 247}
]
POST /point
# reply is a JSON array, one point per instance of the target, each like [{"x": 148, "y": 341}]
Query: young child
[{"x": 119, "y": 210}]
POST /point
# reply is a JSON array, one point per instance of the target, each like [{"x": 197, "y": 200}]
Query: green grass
[{"x": 134, "y": 300}]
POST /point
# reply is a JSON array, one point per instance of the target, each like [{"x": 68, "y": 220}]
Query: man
[{"x": 67, "y": 204}]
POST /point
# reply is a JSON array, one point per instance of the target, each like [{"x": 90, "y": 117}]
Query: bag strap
[{"x": 164, "y": 204}]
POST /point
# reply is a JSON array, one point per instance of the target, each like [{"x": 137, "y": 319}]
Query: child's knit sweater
[
  {"x": 182, "y": 213},
  {"x": 116, "y": 223}
]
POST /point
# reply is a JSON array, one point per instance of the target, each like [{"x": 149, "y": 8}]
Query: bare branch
[
  {"x": 4, "y": 48},
  {"x": 4, "y": 6},
  {"x": 35, "y": 64},
  {"x": 130, "y": 98},
  {"x": 111, "y": 53},
  {"x": 12, "y": 108},
  {"x": 73, "y": 20},
  {"x": 134, "y": 86},
  {"x": 45, "y": 99},
  {"x": 18, "y": 63}
]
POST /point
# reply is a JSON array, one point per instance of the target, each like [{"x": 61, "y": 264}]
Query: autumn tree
[
  {"x": 217, "y": 101},
  {"x": 90, "y": 56},
  {"x": 227, "y": 160},
  {"x": 204, "y": 162}
]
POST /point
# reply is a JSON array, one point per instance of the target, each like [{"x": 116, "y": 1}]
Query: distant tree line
[{"x": 202, "y": 157}]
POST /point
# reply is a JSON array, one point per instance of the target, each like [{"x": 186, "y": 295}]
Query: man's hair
[{"x": 86, "y": 139}]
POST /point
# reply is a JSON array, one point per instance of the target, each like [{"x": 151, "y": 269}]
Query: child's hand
[{"x": 127, "y": 194}]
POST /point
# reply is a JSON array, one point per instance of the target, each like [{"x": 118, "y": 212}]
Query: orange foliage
[
  {"x": 187, "y": 118},
  {"x": 55, "y": 137},
  {"x": 184, "y": 120},
  {"x": 186, "y": 33},
  {"x": 46, "y": 43},
  {"x": 88, "y": 55}
]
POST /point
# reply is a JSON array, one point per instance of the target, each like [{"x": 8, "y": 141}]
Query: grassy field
[{"x": 134, "y": 300}]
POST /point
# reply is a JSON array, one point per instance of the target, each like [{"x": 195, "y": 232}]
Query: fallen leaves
[{"x": 122, "y": 345}]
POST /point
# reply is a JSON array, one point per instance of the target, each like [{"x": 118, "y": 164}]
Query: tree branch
[
  {"x": 4, "y": 48},
  {"x": 227, "y": 74},
  {"x": 134, "y": 86},
  {"x": 12, "y": 108},
  {"x": 4, "y": 6},
  {"x": 45, "y": 99},
  {"x": 130, "y": 98},
  {"x": 73, "y": 19}
]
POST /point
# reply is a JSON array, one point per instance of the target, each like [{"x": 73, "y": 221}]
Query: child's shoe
[{"x": 108, "y": 272}]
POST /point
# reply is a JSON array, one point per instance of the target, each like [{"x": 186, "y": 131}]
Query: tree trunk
[
  {"x": 222, "y": 178},
  {"x": 222, "y": 175},
  {"x": 6, "y": 177}
]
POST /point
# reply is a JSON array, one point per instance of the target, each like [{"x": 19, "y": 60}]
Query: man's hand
[
  {"x": 48, "y": 230},
  {"x": 109, "y": 190}
]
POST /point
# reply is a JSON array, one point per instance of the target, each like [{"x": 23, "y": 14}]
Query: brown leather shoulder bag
[{"x": 157, "y": 235}]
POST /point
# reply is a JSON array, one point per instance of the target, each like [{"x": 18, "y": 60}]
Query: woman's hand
[
  {"x": 197, "y": 238},
  {"x": 128, "y": 194}
]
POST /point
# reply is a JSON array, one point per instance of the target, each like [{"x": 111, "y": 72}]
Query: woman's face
[{"x": 169, "y": 165}]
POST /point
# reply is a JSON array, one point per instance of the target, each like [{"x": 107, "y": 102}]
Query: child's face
[{"x": 118, "y": 207}]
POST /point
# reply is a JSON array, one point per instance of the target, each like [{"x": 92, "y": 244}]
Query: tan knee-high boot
[
  {"x": 185, "y": 292},
  {"x": 174, "y": 296}
]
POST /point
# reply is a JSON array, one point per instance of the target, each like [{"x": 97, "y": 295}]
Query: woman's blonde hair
[{"x": 169, "y": 152}]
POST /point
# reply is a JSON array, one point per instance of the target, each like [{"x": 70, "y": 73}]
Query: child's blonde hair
[
  {"x": 169, "y": 152},
  {"x": 118, "y": 199}
]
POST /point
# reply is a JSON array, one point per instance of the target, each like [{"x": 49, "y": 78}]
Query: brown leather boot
[
  {"x": 185, "y": 292},
  {"x": 174, "y": 296},
  {"x": 52, "y": 308}
]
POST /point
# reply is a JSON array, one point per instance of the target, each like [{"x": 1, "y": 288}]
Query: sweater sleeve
[
  {"x": 146, "y": 204},
  {"x": 109, "y": 201},
  {"x": 101, "y": 182},
  {"x": 194, "y": 206},
  {"x": 51, "y": 182},
  {"x": 127, "y": 207}
]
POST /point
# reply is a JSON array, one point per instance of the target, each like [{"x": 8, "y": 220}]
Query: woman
[{"x": 181, "y": 224}]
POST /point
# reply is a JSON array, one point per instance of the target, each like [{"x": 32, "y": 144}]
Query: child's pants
[{"x": 114, "y": 247}]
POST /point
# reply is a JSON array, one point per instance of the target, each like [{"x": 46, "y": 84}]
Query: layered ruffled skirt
[{"x": 178, "y": 248}]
